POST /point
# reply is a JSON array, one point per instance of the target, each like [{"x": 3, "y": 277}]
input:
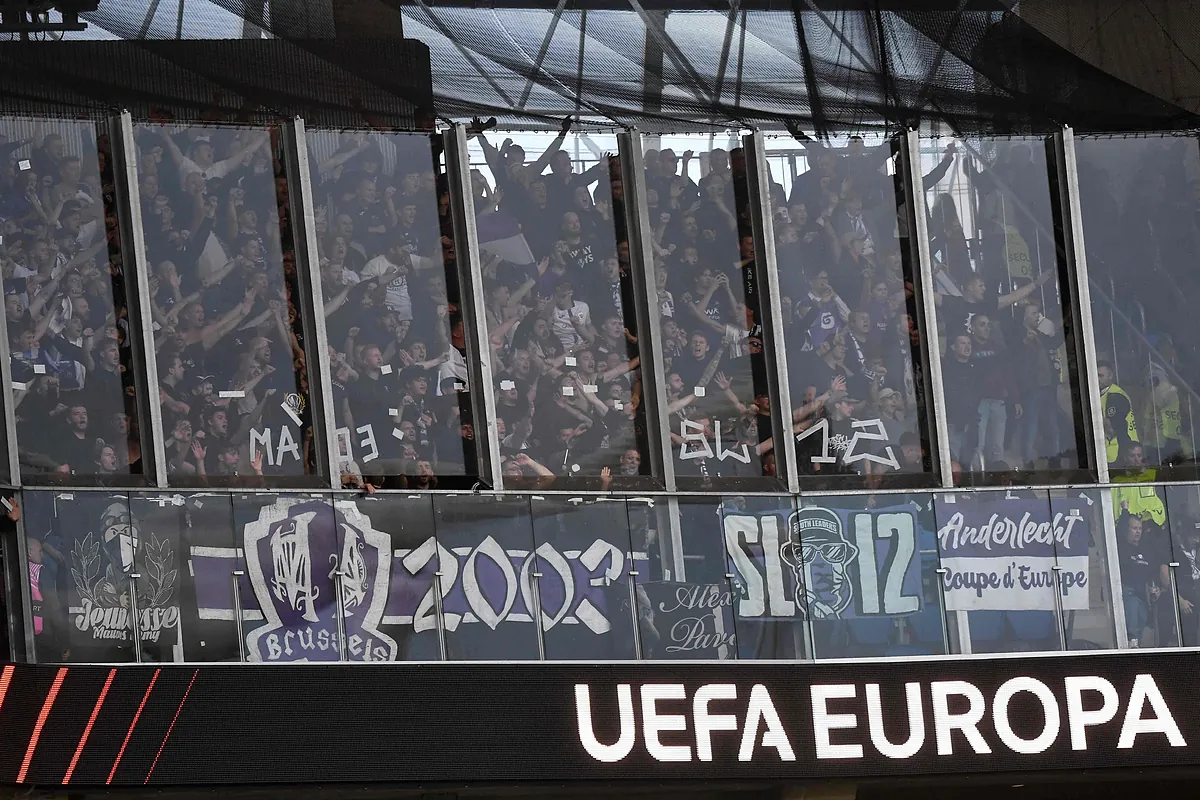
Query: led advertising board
[{"x": 279, "y": 724}]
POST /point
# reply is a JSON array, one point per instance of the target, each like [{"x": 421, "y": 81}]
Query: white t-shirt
[
  {"x": 738, "y": 340},
  {"x": 87, "y": 233},
  {"x": 561, "y": 322},
  {"x": 398, "y": 299},
  {"x": 348, "y": 277},
  {"x": 455, "y": 367},
  {"x": 218, "y": 170},
  {"x": 666, "y": 302},
  {"x": 213, "y": 258}
]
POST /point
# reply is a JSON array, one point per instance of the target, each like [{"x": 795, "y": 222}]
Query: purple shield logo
[{"x": 300, "y": 555}]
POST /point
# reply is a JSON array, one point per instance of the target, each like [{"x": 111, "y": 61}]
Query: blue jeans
[
  {"x": 1041, "y": 409},
  {"x": 1137, "y": 615},
  {"x": 962, "y": 443},
  {"x": 992, "y": 418}
]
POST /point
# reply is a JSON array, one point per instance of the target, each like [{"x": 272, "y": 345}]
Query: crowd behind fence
[{"x": 569, "y": 311}]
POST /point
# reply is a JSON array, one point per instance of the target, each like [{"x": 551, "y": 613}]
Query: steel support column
[
  {"x": 931, "y": 361},
  {"x": 138, "y": 271},
  {"x": 758, "y": 172},
  {"x": 475, "y": 334},
  {"x": 1080, "y": 308},
  {"x": 312, "y": 306},
  {"x": 13, "y": 463},
  {"x": 647, "y": 311}
]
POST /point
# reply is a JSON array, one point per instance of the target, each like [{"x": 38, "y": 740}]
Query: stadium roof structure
[{"x": 974, "y": 65}]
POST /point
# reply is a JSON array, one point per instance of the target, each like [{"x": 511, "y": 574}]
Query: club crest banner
[
  {"x": 308, "y": 562},
  {"x": 293, "y": 551}
]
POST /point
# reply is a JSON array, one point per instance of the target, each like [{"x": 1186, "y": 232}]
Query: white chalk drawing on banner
[
  {"x": 368, "y": 445},
  {"x": 695, "y": 445},
  {"x": 871, "y": 430},
  {"x": 276, "y": 446},
  {"x": 287, "y": 445},
  {"x": 101, "y": 570},
  {"x": 693, "y": 433},
  {"x": 295, "y": 552},
  {"x": 502, "y": 591},
  {"x": 872, "y": 569}
]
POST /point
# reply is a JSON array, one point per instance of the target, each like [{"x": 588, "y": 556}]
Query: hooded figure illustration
[
  {"x": 819, "y": 554},
  {"x": 120, "y": 547}
]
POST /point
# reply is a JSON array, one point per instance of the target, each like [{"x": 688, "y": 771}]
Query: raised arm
[
  {"x": 939, "y": 172},
  {"x": 338, "y": 159},
  {"x": 222, "y": 168},
  {"x": 540, "y": 165},
  {"x": 44, "y": 296},
  {"x": 726, "y": 386},
  {"x": 490, "y": 154},
  {"x": 1012, "y": 298},
  {"x": 172, "y": 148},
  {"x": 621, "y": 369},
  {"x": 229, "y": 322},
  {"x": 253, "y": 417}
]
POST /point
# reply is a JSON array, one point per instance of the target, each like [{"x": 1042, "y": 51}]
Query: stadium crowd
[
  {"x": 1010, "y": 400},
  {"x": 560, "y": 316},
  {"x": 562, "y": 328},
  {"x": 227, "y": 335},
  {"x": 65, "y": 302},
  {"x": 1139, "y": 201},
  {"x": 853, "y": 344},
  {"x": 392, "y": 311},
  {"x": 559, "y": 308}
]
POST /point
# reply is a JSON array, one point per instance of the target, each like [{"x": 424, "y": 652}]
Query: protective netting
[{"x": 979, "y": 68}]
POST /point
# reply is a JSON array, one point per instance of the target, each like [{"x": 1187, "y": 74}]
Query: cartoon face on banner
[
  {"x": 830, "y": 564},
  {"x": 820, "y": 556},
  {"x": 299, "y": 555}
]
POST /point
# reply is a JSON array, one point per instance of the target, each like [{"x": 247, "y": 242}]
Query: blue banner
[{"x": 824, "y": 563}]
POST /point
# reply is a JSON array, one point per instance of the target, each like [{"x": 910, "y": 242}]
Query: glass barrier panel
[
  {"x": 853, "y": 347},
  {"x": 1146, "y": 547},
  {"x": 685, "y": 592},
  {"x": 232, "y": 367},
  {"x": 487, "y": 549},
  {"x": 999, "y": 553},
  {"x": 1083, "y": 560},
  {"x": 1137, "y": 197},
  {"x": 187, "y": 558},
  {"x": 1010, "y": 383},
  {"x": 769, "y": 613},
  {"x": 65, "y": 301},
  {"x": 585, "y": 591},
  {"x": 560, "y": 307},
  {"x": 83, "y": 551},
  {"x": 1183, "y": 580},
  {"x": 409, "y": 616},
  {"x": 712, "y": 328},
  {"x": 867, "y": 565},
  {"x": 393, "y": 312}
]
